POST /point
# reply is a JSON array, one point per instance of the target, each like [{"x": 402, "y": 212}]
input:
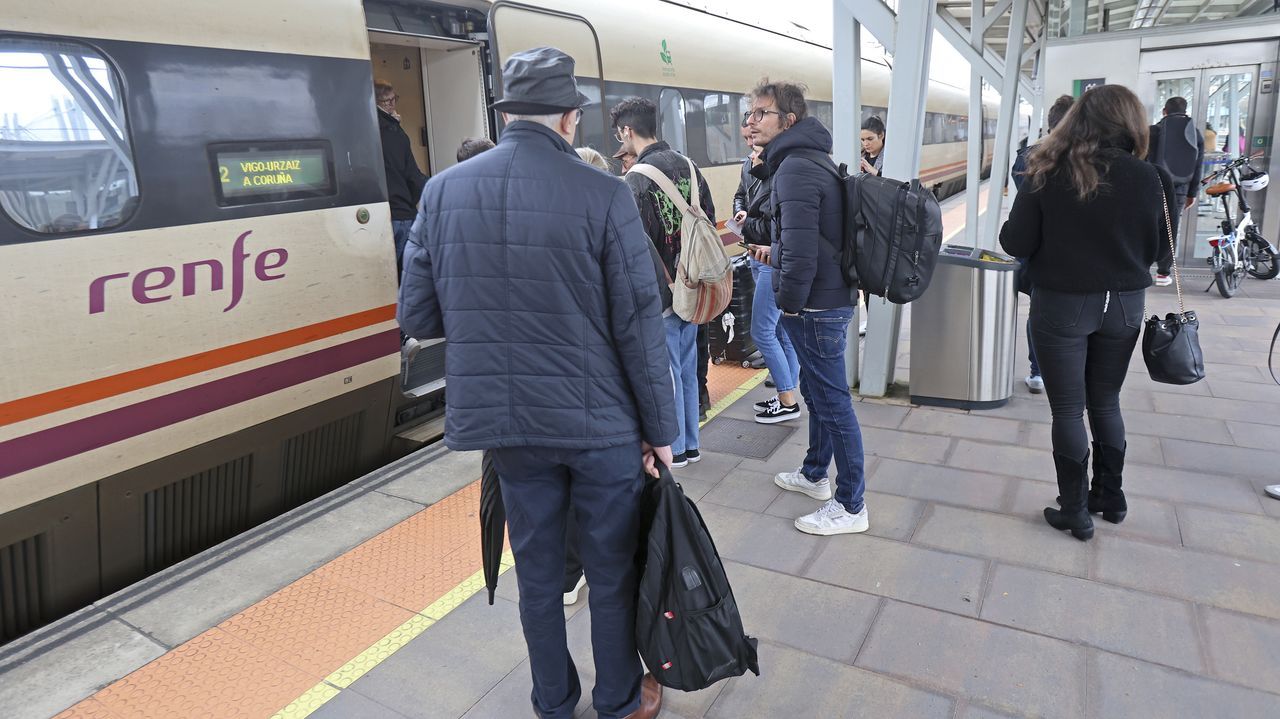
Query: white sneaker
[
  {"x": 832, "y": 518},
  {"x": 797, "y": 482},
  {"x": 1273, "y": 491},
  {"x": 1035, "y": 383},
  {"x": 765, "y": 405},
  {"x": 1163, "y": 281},
  {"x": 571, "y": 596}
]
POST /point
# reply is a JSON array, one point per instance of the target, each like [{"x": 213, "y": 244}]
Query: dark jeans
[
  {"x": 604, "y": 486},
  {"x": 1024, "y": 286},
  {"x": 1083, "y": 343},
  {"x": 572, "y": 557},
  {"x": 1175, "y": 218},
  {"x": 1031, "y": 352},
  {"x": 400, "y": 233},
  {"x": 819, "y": 339}
]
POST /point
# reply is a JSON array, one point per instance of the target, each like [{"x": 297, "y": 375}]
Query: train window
[
  {"x": 723, "y": 123},
  {"x": 247, "y": 173},
  {"x": 825, "y": 112},
  {"x": 671, "y": 120},
  {"x": 64, "y": 140}
]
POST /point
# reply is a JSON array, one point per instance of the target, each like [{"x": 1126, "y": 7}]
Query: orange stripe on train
[{"x": 59, "y": 399}]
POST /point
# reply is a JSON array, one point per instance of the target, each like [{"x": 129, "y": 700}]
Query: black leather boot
[
  {"x": 1073, "y": 495},
  {"x": 1106, "y": 497}
]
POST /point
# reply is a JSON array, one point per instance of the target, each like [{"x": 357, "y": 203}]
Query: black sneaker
[
  {"x": 768, "y": 382},
  {"x": 693, "y": 455},
  {"x": 779, "y": 412},
  {"x": 680, "y": 460},
  {"x": 762, "y": 406}
]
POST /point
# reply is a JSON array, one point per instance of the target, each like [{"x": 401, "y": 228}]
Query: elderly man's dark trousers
[{"x": 538, "y": 484}]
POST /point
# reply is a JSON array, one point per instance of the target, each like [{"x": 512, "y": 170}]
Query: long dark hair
[{"x": 1109, "y": 116}]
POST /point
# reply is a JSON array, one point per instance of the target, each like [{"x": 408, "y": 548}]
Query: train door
[
  {"x": 441, "y": 90},
  {"x": 1232, "y": 106},
  {"x": 514, "y": 27}
]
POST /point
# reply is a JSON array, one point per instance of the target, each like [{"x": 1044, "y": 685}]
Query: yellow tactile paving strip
[{"x": 287, "y": 655}]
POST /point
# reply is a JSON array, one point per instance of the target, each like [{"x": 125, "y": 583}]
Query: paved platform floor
[{"x": 959, "y": 602}]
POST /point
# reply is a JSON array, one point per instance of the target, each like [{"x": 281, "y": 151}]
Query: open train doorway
[{"x": 440, "y": 85}]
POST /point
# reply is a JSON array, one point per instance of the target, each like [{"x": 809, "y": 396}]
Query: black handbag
[{"x": 1171, "y": 345}]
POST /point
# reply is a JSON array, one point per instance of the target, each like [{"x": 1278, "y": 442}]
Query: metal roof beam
[{"x": 986, "y": 61}]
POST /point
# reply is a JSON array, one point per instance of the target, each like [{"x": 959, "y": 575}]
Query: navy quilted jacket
[{"x": 535, "y": 267}]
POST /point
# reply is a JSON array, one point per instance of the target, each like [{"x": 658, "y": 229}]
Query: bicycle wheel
[
  {"x": 1262, "y": 259},
  {"x": 1227, "y": 273}
]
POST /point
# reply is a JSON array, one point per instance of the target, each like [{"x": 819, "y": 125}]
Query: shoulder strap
[
  {"x": 693, "y": 185},
  {"x": 663, "y": 182}
]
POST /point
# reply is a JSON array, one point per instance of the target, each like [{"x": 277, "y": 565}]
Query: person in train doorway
[
  {"x": 1177, "y": 145},
  {"x": 635, "y": 124},
  {"x": 1057, "y": 111},
  {"x": 566, "y": 384},
  {"x": 1091, "y": 221},
  {"x": 817, "y": 305},
  {"x": 404, "y": 180},
  {"x": 751, "y": 212},
  {"x": 473, "y": 146}
]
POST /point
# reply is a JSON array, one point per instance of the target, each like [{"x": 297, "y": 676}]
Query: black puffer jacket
[
  {"x": 757, "y": 196},
  {"x": 807, "y": 221}
]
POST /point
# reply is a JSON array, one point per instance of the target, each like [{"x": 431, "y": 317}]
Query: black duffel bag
[{"x": 688, "y": 629}]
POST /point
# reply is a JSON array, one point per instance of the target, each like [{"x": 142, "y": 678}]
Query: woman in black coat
[{"x": 1091, "y": 221}]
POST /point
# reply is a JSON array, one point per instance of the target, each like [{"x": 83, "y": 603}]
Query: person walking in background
[
  {"x": 1056, "y": 112},
  {"x": 872, "y": 160},
  {"x": 1210, "y": 138},
  {"x": 751, "y": 211},
  {"x": 473, "y": 146},
  {"x": 1091, "y": 222},
  {"x": 566, "y": 384},
  {"x": 635, "y": 125},
  {"x": 404, "y": 180},
  {"x": 817, "y": 305},
  {"x": 1177, "y": 146}
]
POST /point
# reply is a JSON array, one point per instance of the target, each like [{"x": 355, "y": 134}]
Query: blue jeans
[
  {"x": 400, "y": 233},
  {"x": 819, "y": 338},
  {"x": 682, "y": 351},
  {"x": 538, "y": 486},
  {"x": 771, "y": 339}
]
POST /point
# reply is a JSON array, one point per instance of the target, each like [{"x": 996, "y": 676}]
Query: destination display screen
[{"x": 270, "y": 172}]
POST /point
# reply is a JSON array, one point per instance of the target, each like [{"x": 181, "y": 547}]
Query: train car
[{"x": 198, "y": 275}]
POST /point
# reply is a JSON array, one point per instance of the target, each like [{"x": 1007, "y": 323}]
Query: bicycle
[{"x": 1240, "y": 249}]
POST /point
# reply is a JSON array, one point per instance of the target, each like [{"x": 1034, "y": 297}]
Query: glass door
[{"x": 1227, "y": 113}]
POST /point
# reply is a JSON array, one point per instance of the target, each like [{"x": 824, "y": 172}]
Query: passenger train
[{"x": 198, "y": 281}]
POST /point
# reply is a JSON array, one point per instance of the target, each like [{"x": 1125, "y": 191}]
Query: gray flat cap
[{"x": 539, "y": 81}]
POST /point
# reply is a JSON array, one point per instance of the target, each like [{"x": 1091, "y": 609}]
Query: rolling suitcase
[{"x": 730, "y": 332}]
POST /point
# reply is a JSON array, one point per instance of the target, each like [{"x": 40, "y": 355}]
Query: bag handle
[
  {"x": 1173, "y": 250},
  {"x": 668, "y": 187}
]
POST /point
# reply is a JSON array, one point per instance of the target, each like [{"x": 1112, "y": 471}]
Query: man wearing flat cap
[{"x": 535, "y": 267}]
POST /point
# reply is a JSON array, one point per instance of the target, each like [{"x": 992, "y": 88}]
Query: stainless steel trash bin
[{"x": 963, "y": 331}]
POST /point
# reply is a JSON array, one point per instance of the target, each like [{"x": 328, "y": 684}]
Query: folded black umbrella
[{"x": 493, "y": 523}]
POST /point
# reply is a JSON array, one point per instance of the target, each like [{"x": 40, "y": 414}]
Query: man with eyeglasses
[
  {"x": 816, "y": 303},
  {"x": 635, "y": 125},
  {"x": 404, "y": 180},
  {"x": 535, "y": 267}
]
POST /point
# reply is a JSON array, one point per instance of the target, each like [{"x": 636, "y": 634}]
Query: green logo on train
[{"x": 665, "y": 54}]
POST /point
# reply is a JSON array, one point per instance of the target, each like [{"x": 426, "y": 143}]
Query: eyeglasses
[
  {"x": 617, "y": 133},
  {"x": 390, "y": 100},
  {"x": 577, "y": 117},
  {"x": 757, "y": 115}
]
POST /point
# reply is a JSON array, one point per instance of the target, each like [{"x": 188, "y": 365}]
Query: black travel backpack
[
  {"x": 892, "y": 233},
  {"x": 1179, "y": 150},
  {"x": 688, "y": 629}
]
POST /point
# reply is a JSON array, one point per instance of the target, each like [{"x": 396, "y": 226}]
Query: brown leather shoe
[{"x": 650, "y": 699}]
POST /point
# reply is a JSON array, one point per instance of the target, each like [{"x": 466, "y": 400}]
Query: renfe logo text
[{"x": 156, "y": 284}]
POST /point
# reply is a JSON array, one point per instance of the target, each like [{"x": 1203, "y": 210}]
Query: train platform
[{"x": 959, "y": 602}]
